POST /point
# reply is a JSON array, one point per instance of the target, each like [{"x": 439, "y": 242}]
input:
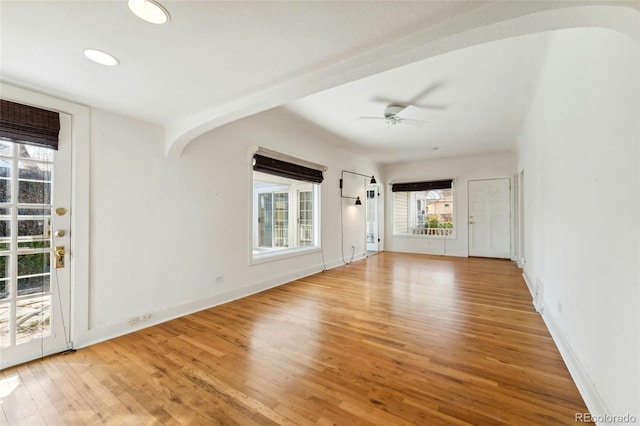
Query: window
[
  {"x": 286, "y": 205},
  {"x": 423, "y": 208}
]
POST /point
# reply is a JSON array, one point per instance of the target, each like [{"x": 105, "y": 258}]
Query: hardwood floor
[{"x": 396, "y": 339}]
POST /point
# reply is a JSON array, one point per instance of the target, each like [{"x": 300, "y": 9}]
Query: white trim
[
  {"x": 527, "y": 282},
  {"x": 594, "y": 401},
  {"x": 271, "y": 256},
  {"x": 519, "y": 214}
]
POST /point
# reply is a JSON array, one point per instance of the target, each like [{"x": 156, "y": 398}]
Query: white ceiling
[
  {"x": 216, "y": 62},
  {"x": 211, "y": 54},
  {"x": 473, "y": 101}
]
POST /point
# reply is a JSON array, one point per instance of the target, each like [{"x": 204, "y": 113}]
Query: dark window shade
[
  {"x": 422, "y": 186},
  {"x": 285, "y": 169},
  {"x": 30, "y": 125}
]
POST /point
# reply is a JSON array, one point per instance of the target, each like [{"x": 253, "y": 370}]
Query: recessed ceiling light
[
  {"x": 101, "y": 57},
  {"x": 149, "y": 10}
]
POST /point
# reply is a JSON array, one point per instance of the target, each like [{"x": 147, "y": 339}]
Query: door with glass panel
[
  {"x": 305, "y": 218},
  {"x": 35, "y": 193},
  {"x": 373, "y": 239}
]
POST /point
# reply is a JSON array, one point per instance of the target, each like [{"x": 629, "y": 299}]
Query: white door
[
  {"x": 373, "y": 238},
  {"x": 490, "y": 218},
  {"x": 35, "y": 195}
]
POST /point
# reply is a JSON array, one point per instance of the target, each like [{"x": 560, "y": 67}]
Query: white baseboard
[
  {"x": 105, "y": 332},
  {"x": 527, "y": 281},
  {"x": 594, "y": 401}
]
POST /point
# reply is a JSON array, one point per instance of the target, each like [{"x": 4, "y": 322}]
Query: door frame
[
  {"x": 512, "y": 222},
  {"x": 519, "y": 202},
  {"x": 79, "y": 254}
]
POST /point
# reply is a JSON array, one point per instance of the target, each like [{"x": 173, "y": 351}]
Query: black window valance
[
  {"x": 30, "y": 125},
  {"x": 422, "y": 186},
  {"x": 285, "y": 169}
]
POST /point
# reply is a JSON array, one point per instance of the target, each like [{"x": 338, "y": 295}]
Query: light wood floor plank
[{"x": 397, "y": 339}]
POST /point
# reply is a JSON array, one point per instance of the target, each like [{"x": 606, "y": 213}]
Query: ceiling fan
[{"x": 397, "y": 114}]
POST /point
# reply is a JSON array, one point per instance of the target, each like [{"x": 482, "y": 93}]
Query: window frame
[
  {"x": 294, "y": 205},
  {"x": 426, "y": 236}
]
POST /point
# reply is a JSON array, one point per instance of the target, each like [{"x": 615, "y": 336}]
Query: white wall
[
  {"x": 163, "y": 229},
  {"x": 579, "y": 151},
  {"x": 462, "y": 170}
]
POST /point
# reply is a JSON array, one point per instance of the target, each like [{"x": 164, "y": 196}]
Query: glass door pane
[
  {"x": 25, "y": 243},
  {"x": 305, "y": 221},
  {"x": 281, "y": 219},
  {"x": 265, "y": 220}
]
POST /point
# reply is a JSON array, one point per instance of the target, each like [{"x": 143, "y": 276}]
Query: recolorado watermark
[{"x": 605, "y": 418}]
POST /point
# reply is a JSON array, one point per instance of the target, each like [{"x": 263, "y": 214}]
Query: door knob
[{"x": 59, "y": 254}]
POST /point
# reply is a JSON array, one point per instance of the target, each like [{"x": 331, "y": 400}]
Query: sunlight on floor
[{"x": 7, "y": 386}]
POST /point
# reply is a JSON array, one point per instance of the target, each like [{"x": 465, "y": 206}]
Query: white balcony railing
[{"x": 433, "y": 232}]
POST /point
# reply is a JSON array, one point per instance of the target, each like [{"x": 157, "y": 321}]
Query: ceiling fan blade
[
  {"x": 427, "y": 90},
  {"x": 371, "y": 118},
  {"x": 430, "y": 106},
  {"x": 412, "y": 122},
  {"x": 415, "y": 101},
  {"x": 408, "y": 111},
  {"x": 378, "y": 99}
]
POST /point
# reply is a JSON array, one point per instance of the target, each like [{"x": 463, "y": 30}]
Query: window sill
[{"x": 271, "y": 256}]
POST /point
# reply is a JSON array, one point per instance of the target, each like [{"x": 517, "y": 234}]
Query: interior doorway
[{"x": 372, "y": 221}]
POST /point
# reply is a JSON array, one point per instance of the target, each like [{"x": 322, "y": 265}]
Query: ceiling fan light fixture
[
  {"x": 393, "y": 110},
  {"x": 149, "y": 11},
  {"x": 100, "y": 57}
]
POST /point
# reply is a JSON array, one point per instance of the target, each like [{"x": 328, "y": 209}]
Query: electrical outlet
[
  {"x": 219, "y": 278},
  {"x": 132, "y": 320},
  {"x": 146, "y": 316}
]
